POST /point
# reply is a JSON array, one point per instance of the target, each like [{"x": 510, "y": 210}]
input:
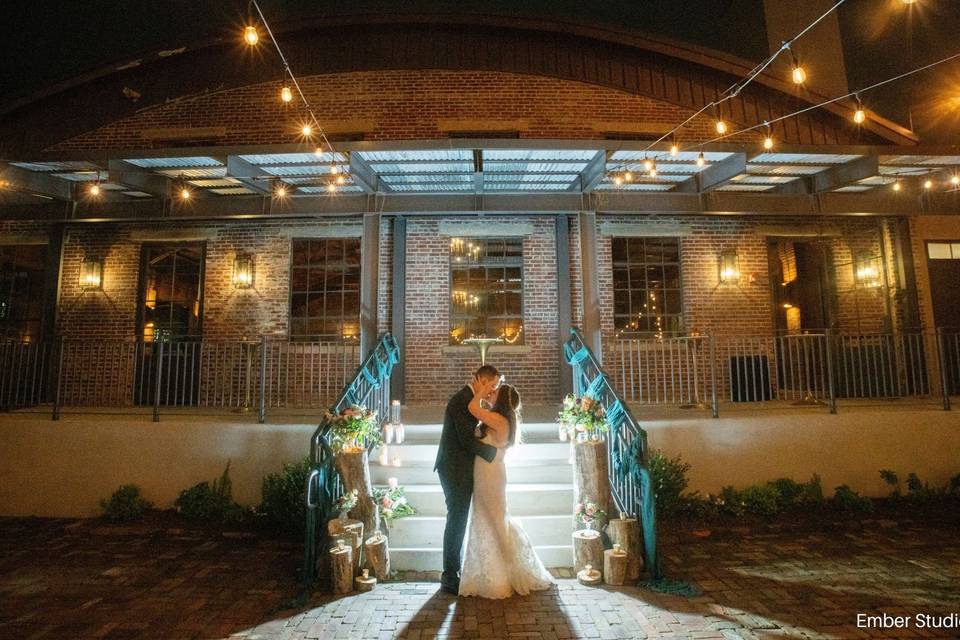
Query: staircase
[{"x": 539, "y": 494}]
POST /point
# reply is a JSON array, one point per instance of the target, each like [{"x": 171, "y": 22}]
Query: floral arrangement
[
  {"x": 587, "y": 513},
  {"x": 347, "y": 501},
  {"x": 581, "y": 416},
  {"x": 353, "y": 429},
  {"x": 393, "y": 504}
]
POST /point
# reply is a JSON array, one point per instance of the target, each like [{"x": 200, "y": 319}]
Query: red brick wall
[
  {"x": 396, "y": 105},
  {"x": 435, "y": 370}
]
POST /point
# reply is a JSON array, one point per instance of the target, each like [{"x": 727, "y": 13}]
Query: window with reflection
[
  {"x": 21, "y": 291},
  {"x": 172, "y": 299},
  {"x": 647, "y": 298},
  {"x": 325, "y": 290},
  {"x": 486, "y": 289}
]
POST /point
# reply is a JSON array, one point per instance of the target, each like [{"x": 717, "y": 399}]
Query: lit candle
[
  {"x": 388, "y": 433},
  {"x": 396, "y": 461},
  {"x": 366, "y": 573},
  {"x": 395, "y": 411},
  {"x": 563, "y": 433},
  {"x": 623, "y": 515},
  {"x": 399, "y": 432},
  {"x": 384, "y": 456},
  {"x": 393, "y": 483}
]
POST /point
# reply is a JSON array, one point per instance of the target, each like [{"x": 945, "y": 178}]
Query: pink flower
[
  {"x": 579, "y": 508},
  {"x": 591, "y": 510}
]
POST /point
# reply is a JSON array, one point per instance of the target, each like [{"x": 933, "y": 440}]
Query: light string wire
[
  {"x": 734, "y": 90},
  {"x": 296, "y": 83}
]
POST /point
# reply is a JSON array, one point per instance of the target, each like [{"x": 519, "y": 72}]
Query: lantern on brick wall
[
  {"x": 729, "y": 266},
  {"x": 867, "y": 270},
  {"x": 91, "y": 274},
  {"x": 243, "y": 271}
]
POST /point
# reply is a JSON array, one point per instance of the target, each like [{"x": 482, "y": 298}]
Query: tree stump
[
  {"x": 352, "y": 533},
  {"x": 590, "y": 472},
  {"x": 341, "y": 568},
  {"x": 376, "y": 552},
  {"x": 354, "y": 470},
  {"x": 626, "y": 533},
  {"x": 587, "y": 549},
  {"x": 364, "y": 582},
  {"x": 615, "y": 566}
]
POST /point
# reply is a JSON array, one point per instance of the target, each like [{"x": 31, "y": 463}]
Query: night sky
[{"x": 49, "y": 41}]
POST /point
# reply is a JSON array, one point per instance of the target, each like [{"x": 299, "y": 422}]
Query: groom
[{"x": 454, "y": 465}]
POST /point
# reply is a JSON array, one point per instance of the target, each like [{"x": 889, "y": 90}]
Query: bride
[{"x": 500, "y": 560}]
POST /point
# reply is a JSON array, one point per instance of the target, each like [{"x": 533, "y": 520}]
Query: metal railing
[
  {"x": 241, "y": 375},
  {"x": 369, "y": 387},
  {"x": 803, "y": 369},
  {"x": 627, "y": 451}
]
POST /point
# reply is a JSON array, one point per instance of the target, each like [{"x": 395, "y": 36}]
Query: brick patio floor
[{"x": 69, "y": 579}]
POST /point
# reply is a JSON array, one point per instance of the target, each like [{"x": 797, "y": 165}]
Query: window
[
  {"x": 943, "y": 250},
  {"x": 172, "y": 286},
  {"x": 646, "y": 286},
  {"x": 21, "y": 291},
  {"x": 486, "y": 289},
  {"x": 325, "y": 290}
]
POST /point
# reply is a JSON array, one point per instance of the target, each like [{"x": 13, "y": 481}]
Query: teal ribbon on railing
[
  {"x": 371, "y": 379},
  {"x": 596, "y": 385},
  {"x": 575, "y": 357},
  {"x": 615, "y": 416}
]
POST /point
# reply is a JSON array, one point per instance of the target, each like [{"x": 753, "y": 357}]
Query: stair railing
[
  {"x": 369, "y": 387},
  {"x": 627, "y": 452}
]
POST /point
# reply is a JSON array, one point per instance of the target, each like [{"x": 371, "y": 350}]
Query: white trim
[
  {"x": 643, "y": 229},
  {"x": 340, "y": 230},
  {"x": 484, "y": 229}
]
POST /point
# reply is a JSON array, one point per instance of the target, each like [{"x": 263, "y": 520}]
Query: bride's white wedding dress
[{"x": 499, "y": 559}]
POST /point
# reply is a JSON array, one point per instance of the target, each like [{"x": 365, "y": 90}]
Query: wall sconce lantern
[
  {"x": 729, "y": 266},
  {"x": 91, "y": 274},
  {"x": 243, "y": 271},
  {"x": 867, "y": 271}
]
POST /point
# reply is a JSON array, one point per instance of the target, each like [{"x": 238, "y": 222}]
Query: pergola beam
[
  {"x": 250, "y": 175},
  {"x": 38, "y": 183},
  {"x": 363, "y": 176},
  {"x": 593, "y": 173},
  {"x": 714, "y": 175},
  {"x": 139, "y": 179}
]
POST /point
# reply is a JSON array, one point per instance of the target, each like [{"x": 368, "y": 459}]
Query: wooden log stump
[
  {"x": 590, "y": 473},
  {"x": 364, "y": 582},
  {"x": 376, "y": 553},
  {"x": 615, "y": 566},
  {"x": 626, "y": 533},
  {"x": 587, "y": 549},
  {"x": 589, "y": 576},
  {"x": 354, "y": 470},
  {"x": 351, "y": 531},
  {"x": 341, "y": 568}
]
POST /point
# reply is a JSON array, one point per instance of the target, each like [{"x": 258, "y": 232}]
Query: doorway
[
  {"x": 943, "y": 267},
  {"x": 803, "y": 291}
]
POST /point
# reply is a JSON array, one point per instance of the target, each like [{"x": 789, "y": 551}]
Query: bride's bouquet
[
  {"x": 354, "y": 429},
  {"x": 393, "y": 504},
  {"x": 581, "y": 419}
]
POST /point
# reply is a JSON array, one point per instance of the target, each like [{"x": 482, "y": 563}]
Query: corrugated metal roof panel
[{"x": 189, "y": 161}]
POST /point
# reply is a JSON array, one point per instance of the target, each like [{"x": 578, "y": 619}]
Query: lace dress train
[{"x": 499, "y": 559}]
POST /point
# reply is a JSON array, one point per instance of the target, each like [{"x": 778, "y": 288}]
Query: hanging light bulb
[
  {"x": 306, "y": 131},
  {"x": 331, "y": 187},
  {"x": 617, "y": 180},
  {"x": 281, "y": 191},
  {"x": 334, "y": 169},
  {"x": 653, "y": 168},
  {"x": 859, "y": 116},
  {"x": 286, "y": 95},
  {"x": 341, "y": 179},
  {"x": 628, "y": 176},
  {"x": 674, "y": 149},
  {"x": 95, "y": 189},
  {"x": 928, "y": 184},
  {"x": 721, "y": 127},
  {"x": 647, "y": 164},
  {"x": 318, "y": 152},
  {"x": 955, "y": 180},
  {"x": 797, "y": 74},
  {"x": 701, "y": 160},
  {"x": 250, "y": 35},
  {"x": 185, "y": 193},
  {"x": 768, "y": 138},
  {"x": 897, "y": 186}
]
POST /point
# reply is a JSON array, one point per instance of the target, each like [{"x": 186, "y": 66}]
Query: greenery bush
[
  {"x": 125, "y": 505},
  {"x": 283, "y": 502},
  {"x": 669, "y": 479},
  {"x": 953, "y": 487},
  {"x": 761, "y": 499},
  {"x": 849, "y": 501},
  {"x": 211, "y": 501}
]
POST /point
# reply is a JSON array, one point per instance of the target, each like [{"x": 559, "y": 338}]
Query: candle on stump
[
  {"x": 396, "y": 461},
  {"x": 384, "y": 456},
  {"x": 388, "y": 433},
  {"x": 399, "y": 432},
  {"x": 589, "y": 576},
  {"x": 395, "y": 411},
  {"x": 393, "y": 483},
  {"x": 364, "y": 582}
]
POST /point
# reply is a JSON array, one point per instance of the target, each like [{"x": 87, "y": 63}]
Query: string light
[
  {"x": 334, "y": 169},
  {"x": 653, "y": 168},
  {"x": 768, "y": 139},
  {"x": 185, "y": 193},
  {"x": 798, "y": 75},
  {"x": 701, "y": 160},
  {"x": 250, "y": 35},
  {"x": 928, "y": 184},
  {"x": 331, "y": 187},
  {"x": 95, "y": 189},
  {"x": 896, "y": 185},
  {"x": 286, "y": 95},
  {"x": 674, "y": 149},
  {"x": 955, "y": 180},
  {"x": 341, "y": 179},
  {"x": 306, "y": 130},
  {"x": 281, "y": 191},
  {"x": 859, "y": 116},
  {"x": 617, "y": 180},
  {"x": 628, "y": 176},
  {"x": 721, "y": 127}
]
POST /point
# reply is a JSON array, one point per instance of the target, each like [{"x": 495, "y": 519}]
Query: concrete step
[
  {"x": 412, "y": 451},
  {"x": 522, "y": 499},
  {"x": 426, "y": 532},
  {"x": 529, "y": 432},
  {"x": 519, "y": 472},
  {"x": 426, "y": 559}
]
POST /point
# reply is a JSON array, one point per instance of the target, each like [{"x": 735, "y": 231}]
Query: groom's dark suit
[{"x": 454, "y": 465}]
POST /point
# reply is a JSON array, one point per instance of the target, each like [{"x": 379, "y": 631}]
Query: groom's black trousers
[{"x": 457, "y": 492}]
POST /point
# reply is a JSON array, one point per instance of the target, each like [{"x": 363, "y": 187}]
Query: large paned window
[
  {"x": 646, "y": 286},
  {"x": 486, "y": 289},
  {"x": 172, "y": 286},
  {"x": 325, "y": 290},
  {"x": 21, "y": 291}
]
